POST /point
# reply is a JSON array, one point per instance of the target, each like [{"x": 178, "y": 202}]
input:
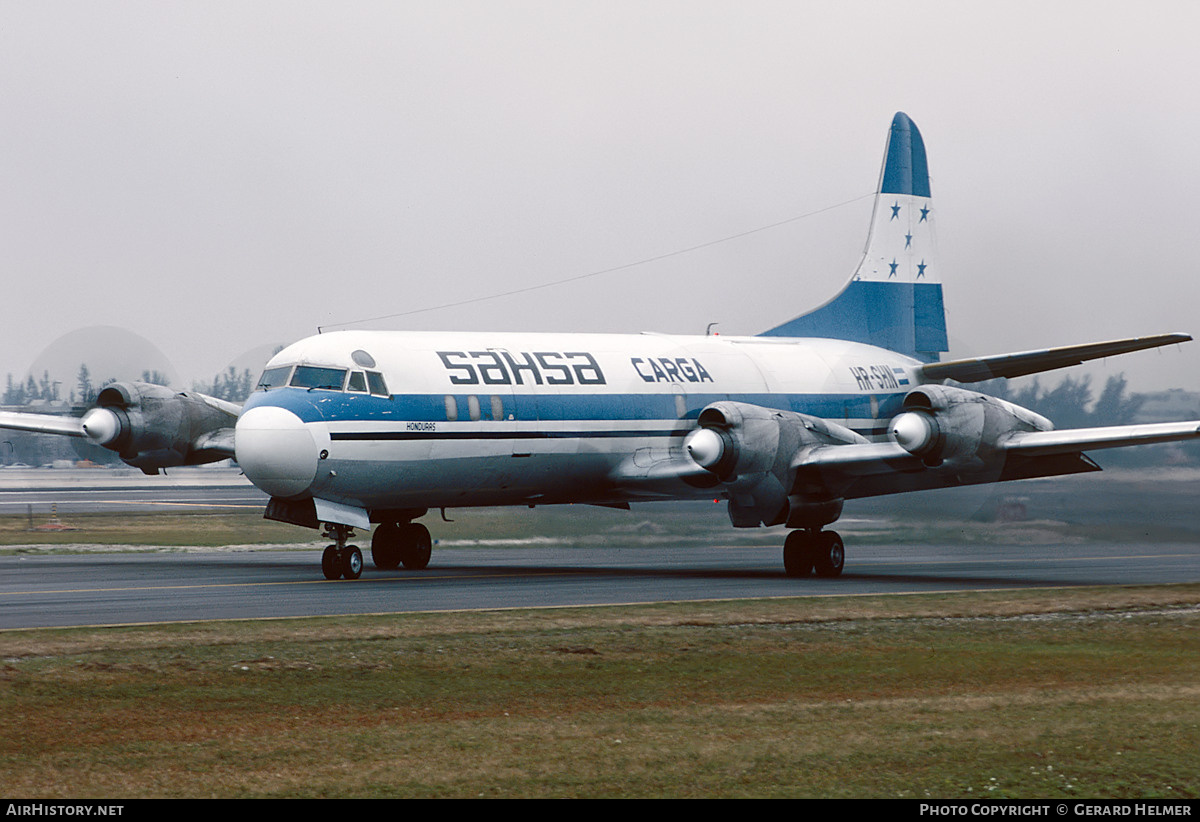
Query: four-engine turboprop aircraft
[{"x": 358, "y": 427}]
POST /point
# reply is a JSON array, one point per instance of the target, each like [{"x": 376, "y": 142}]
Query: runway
[
  {"x": 143, "y": 588},
  {"x": 104, "y": 490},
  {"x": 39, "y": 588}
]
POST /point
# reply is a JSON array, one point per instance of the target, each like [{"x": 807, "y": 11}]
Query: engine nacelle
[
  {"x": 750, "y": 449},
  {"x": 952, "y": 426},
  {"x": 152, "y": 427}
]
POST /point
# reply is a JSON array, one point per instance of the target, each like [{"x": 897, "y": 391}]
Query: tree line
[
  {"x": 229, "y": 385},
  {"x": 1071, "y": 403}
]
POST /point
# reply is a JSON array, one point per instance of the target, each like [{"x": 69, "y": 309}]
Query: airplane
[{"x": 351, "y": 429}]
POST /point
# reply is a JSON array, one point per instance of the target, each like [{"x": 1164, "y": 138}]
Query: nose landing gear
[{"x": 341, "y": 560}]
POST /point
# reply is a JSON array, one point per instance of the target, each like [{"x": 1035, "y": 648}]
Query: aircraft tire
[
  {"x": 352, "y": 562},
  {"x": 830, "y": 555},
  {"x": 798, "y": 554},
  {"x": 386, "y": 546},
  {"x": 331, "y": 565},
  {"x": 417, "y": 546}
]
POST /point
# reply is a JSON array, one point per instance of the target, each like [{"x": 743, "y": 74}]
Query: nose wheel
[{"x": 341, "y": 561}]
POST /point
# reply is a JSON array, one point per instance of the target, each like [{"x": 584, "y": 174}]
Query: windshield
[
  {"x": 378, "y": 386},
  {"x": 274, "y": 377},
  {"x": 308, "y": 376}
]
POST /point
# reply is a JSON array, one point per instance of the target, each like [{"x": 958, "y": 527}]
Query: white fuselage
[{"x": 388, "y": 420}]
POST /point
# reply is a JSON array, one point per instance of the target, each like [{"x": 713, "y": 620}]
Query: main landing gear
[
  {"x": 809, "y": 550},
  {"x": 395, "y": 543}
]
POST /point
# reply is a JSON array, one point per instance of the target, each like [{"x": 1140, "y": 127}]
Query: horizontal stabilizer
[
  {"x": 42, "y": 423},
  {"x": 1041, "y": 443},
  {"x": 1035, "y": 362}
]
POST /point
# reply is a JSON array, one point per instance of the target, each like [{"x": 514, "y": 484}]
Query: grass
[
  {"x": 1069, "y": 693},
  {"x": 1032, "y": 694}
]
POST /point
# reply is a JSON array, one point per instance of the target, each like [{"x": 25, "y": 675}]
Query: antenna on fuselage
[{"x": 708, "y": 332}]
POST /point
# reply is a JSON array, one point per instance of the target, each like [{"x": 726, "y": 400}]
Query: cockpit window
[
  {"x": 357, "y": 382},
  {"x": 308, "y": 376},
  {"x": 378, "y": 386},
  {"x": 274, "y": 377}
]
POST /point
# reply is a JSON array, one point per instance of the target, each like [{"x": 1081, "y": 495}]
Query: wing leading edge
[
  {"x": 882, "y": 457},
  {"x": 1034, "y": 362},
  {"x": 42, "y": 424}
]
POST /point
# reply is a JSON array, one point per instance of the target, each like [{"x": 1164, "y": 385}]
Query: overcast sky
[{"x": 216, "y": 176}]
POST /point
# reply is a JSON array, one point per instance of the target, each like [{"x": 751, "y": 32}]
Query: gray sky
[{"x": 215, "y": 176}]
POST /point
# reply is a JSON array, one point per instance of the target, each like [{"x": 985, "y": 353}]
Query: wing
[
  {"x": 42, "y": 424},
  {"x": 882, "y": 457},
  {"x": 216, "y": 444},
  {"x": 773, "y": 464},
  {"x": 149, "y": 426},
  {"x": 1047, "y": 359},
  {"x": 1040, "y": 443},
  {"x": 888, "y": 468}
]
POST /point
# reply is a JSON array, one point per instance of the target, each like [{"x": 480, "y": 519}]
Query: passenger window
[
  {"x": 451, "y": 408},
  {"x": 473, "y": 408},
  {"x": 497, "y": 408},
  {"x": 378, "y": 386},
  {"x": 357, "y": 382}
]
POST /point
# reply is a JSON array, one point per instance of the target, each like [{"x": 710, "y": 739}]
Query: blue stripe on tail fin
[{"x": 894, "y": 299}]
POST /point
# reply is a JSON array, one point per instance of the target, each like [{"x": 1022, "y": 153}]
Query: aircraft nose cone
[{"x": 276, "y": 451}]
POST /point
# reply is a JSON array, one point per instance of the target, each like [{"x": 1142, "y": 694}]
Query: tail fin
[{"x": 894, "y": 299}]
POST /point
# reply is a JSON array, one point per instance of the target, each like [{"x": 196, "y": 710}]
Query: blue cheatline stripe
[
  {"x": 505, "y": 435},
  {"x": 409, "y": 436},
  {"x": 331, "y": 406}
]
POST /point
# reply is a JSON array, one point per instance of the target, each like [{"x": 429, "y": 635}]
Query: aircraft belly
[
  {"x": 457, "y": 466},
  {"x": 470, "y": 480}
]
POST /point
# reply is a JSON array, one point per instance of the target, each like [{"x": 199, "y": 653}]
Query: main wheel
[
  {"x": 417, "y": 546},
  {"x": 830, "y": 555},
  {"x": 385, "y": 546},
  {"x": 352, "y": 562},
  {"x": 331, "y": 565},
  {"x": 798, "y": 554}
]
